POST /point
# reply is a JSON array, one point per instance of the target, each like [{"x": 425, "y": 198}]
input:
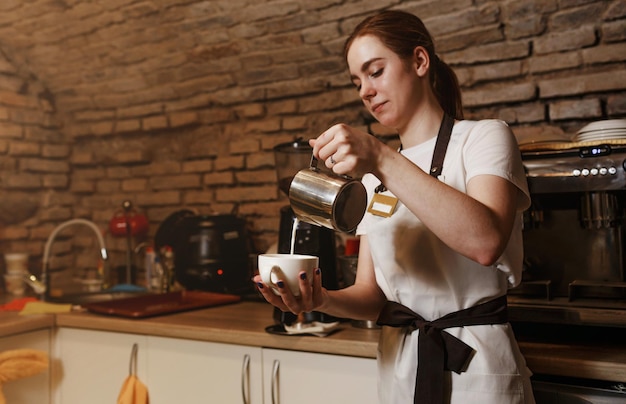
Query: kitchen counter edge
[
  {"x": 12, "y": 323},
  {"x": 244, "y": 324}
]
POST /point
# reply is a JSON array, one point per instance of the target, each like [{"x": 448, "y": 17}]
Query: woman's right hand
[{"x": 347, "y": 150}]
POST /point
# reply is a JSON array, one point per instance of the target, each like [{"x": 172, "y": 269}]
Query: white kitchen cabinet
[
  {"x": 33, "y": 389},
  {"x": 196, "y": 372},
  {"x": 308, "y": 378},
  {"x": 91, "y": 366},
  {"x": 94, "y": 364}
]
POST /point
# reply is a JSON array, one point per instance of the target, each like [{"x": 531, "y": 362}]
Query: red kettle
[{"x": 136, "y": 222}]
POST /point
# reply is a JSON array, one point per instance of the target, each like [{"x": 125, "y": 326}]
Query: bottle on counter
[
  {"x": 167, "y": 266},
  {"x": 154, "y": 272}
]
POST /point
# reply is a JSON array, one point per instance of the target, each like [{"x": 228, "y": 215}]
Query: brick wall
[{"x": 178, "y": 103}]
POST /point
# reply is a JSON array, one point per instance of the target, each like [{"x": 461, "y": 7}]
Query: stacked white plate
[{"x": 611, "y": 129}]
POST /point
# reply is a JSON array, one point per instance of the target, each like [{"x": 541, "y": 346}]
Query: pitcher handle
[
  {"x": 313, "y": 163},
  {"x": 313, "y": 166}
]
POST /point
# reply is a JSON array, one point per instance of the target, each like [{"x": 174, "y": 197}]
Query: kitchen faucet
[{"x": 44, "y": 286}]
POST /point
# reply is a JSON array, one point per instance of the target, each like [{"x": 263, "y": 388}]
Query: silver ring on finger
[{"x": 332, "y": 160}]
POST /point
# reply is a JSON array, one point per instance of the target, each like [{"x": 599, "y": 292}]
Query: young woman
[{"x": 442, "y": 241}]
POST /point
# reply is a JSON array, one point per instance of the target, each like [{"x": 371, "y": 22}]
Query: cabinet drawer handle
[
  {"x": 275, "y": 397},
  {"x": 245, "y": 379}
]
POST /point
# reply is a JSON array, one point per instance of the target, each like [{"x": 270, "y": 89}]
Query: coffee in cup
[{"x": 287, "y": 268}]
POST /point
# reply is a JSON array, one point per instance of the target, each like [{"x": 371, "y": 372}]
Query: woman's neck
[{"x": 423, "y": 126}]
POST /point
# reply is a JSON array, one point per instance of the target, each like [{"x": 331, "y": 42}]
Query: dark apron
[{"x": 438, "y": 350}]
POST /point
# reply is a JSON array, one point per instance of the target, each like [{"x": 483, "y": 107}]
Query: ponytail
[{"x": 445, "y": 85}]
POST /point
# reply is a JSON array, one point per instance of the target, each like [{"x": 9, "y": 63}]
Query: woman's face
[{"x": 388, "y": 86}]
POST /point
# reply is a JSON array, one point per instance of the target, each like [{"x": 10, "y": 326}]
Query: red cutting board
[{"x": 158, "y": 304}]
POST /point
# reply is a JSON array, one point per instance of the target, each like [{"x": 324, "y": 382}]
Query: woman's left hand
[{"x": 311, "y": 293}]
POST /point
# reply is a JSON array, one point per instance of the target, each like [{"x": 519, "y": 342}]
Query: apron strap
[
  {"x": 443, "y": 138},
  {"x": 441, "y": 146}
]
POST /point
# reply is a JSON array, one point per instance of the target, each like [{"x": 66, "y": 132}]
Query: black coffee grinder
[{"x": 290, "y": 158}]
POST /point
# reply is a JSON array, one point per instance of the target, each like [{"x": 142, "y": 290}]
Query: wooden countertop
[
  {"x": 12, "y": 323},
  {"x": 244, "y": 323},
  {"x": 600, "y": 362},
  {"x": 582, "y": 352}
]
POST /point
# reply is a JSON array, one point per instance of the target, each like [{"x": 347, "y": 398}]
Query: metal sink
[{"x": 93, "y": 297}]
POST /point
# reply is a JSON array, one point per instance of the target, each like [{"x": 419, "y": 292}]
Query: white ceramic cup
[{"x": 287, "y": 268}]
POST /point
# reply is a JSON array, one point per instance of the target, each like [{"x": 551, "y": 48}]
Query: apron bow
[{"x": 439, "y": 350}]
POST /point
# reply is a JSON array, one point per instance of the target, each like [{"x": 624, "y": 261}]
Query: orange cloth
[
  {"x": 19, "y": 363},
  {"x": 133, "y": 392}
]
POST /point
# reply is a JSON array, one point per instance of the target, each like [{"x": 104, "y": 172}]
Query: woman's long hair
[{"x": 402, "y": 32}]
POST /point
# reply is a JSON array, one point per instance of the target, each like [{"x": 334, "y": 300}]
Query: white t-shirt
[{"x": 413, "y": 267}]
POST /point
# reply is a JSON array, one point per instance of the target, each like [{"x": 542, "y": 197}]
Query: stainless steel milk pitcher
[{"x": 328, "y": 200}]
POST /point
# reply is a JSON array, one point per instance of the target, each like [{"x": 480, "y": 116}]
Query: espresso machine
[
  {"x": 574, "y": 237},
  {"x": 291, "y": 157}
]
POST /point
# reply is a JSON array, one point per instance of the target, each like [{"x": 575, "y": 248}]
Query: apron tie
[{"x": 437, "y": 349}]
